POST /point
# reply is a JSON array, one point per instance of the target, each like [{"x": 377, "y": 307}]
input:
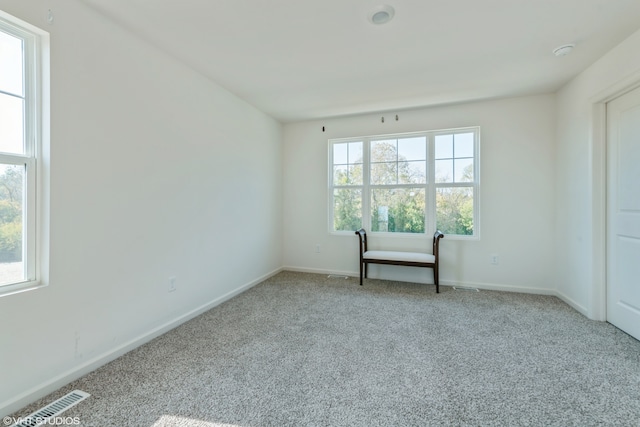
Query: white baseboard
[
  {"x": 578, "y": 307},
  {"x": 321, "y": 271},
  {"x": 499, "y": 287},
  {"x": 53, "y": 384},
  {"x": 485, "y": 286}
]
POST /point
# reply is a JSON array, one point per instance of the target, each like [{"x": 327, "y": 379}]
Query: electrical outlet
[
  {"x": 494, "y": 259},
  {"x": 172, "y": 284}
]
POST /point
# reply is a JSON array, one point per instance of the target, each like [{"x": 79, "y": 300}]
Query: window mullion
[
  {"x": 13, "y": 159},
  {"x": 366, "y": 184},
  {"x": 454, "y": 184},
  {"x": 30, "y": 251},
  {"x": 430, "y": 211},
  {"x": 373, "y": 187}
]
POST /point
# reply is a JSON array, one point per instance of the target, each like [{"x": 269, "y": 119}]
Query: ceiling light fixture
[
  {"x": 563, "y": 50},
  {"x": 381, "y": 14}
]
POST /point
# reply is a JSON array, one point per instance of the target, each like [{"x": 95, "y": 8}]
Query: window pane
[
  {"x": 444, "y": 146},
  {"x": 412, "y": 148},
  {"x": 464, "y": 170},
  {"x": 355, "y": 152},
  {"x": 355, "y": 174},
  {"x": 384, "y": 151},
  {"x": 11, "y": 60},
  {"x": 347, "y": 209},
  {"x": 340, "y": 154},
  {"x": 347, "y": 163},
  {"x": 384, "y": 173},
  {"x": 412, "y": 172},
  {"x": 11, "y": 224},
  {"x": 340, "y": 175},
  {"x": 454, "y": 210},
  {"x": 399, "y": 210},
  {"x": 347, "y": 175},
  {"x": 11, "y": 124},
  {"x": 444, "y": 170},
  {"x": 464, "y": 145}
]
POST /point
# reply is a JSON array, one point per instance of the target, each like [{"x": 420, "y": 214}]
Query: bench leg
[
  {"x": 361, "y": 266},
  {"x": 435, "y": 279}
]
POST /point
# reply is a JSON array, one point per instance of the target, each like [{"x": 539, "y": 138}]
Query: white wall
[
  {"x": 158, "y": 172},
  {"x": 580, "y": 173},
  {"x": 155, "y": 172},
  {"x": 517, "y": 214}
]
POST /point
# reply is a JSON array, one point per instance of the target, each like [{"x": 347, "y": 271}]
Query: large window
[
  {"x": 20, "y": 134},
  {"x": 410, "y": 183}
]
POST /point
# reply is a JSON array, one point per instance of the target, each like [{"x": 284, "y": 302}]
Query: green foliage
[
  {"x": 399, "y": 209},
  {"x": 347, "y": 209},
  {"x": 454, "y": 206},
  {"x": 9, "y": 211},
  {"x": 455, "y": 210},
  {"x": 408, "y": 217},
  {"x": 11, "y": 241},
  {"x": 347, "y": 202},
  {"x": 466, "y": 217},
  {"x": 11, "y": 190},
  {"x": 11, "y": 187}
]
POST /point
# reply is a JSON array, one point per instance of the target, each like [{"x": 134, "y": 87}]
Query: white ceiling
[{"x": 303, "y": 59}]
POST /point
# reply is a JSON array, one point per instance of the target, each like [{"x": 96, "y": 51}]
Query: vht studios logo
[{"x": 42, "y": 421}]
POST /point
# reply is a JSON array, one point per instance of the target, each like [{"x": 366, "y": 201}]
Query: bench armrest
[
  {"x": 436, "y": 243},
  {"x": 362, "y": 238}
]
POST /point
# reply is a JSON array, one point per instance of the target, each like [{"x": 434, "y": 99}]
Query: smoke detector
[
  {"x": 563, "y": 50},
  {"x": 381, "y": 14}
]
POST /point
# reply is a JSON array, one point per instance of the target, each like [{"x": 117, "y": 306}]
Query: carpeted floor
[{"x": 306, "y": 350}]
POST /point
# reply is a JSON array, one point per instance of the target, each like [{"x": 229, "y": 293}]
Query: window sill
[
  {"x": 406, "y": 235},
  {"x": 17, "y": 288}
]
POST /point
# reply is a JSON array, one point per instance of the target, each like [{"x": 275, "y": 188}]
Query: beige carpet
[{"x": 307, "y": 350}]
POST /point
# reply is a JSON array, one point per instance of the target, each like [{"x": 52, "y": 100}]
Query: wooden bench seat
[{"x": 409, "y": 259}]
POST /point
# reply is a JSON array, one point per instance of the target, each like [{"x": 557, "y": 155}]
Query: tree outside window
[{"x": 406, "y": 183}]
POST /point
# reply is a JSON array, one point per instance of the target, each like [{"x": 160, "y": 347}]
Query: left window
[{"x": 20, "y": 144}]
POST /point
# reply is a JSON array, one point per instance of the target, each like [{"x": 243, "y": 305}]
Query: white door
[{"x": 623, "y": 212}]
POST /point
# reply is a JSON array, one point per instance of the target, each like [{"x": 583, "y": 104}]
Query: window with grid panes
[
  {"x": 20, "y": 133},
  {"x": 406, "y": 183}
]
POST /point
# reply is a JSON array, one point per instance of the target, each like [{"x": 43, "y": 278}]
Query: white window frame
[
  {"x": 430, "y": 187},
  {"x": 35, "y": 66}
]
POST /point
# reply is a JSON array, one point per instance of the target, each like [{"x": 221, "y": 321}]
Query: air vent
[
  {"x": 53, "y": 409},
  {"x": 337, "y": 276}
]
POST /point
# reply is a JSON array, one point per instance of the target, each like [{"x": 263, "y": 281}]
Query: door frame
[{"x": 597, "y": 306}]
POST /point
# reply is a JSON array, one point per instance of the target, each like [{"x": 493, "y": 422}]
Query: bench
[{"x": 410, "y": 259}]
